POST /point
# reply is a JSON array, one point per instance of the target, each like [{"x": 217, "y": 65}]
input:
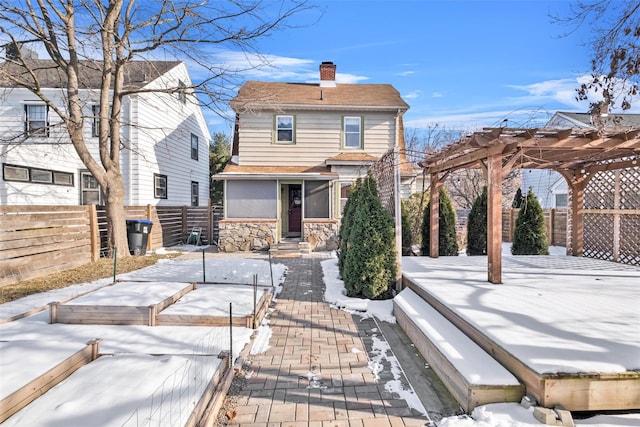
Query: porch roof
[{"x": 232, "y": 171}]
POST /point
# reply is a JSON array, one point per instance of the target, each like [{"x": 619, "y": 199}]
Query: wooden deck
[{"x": 456, "y": 288}]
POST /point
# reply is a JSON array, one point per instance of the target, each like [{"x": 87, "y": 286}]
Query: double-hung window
[
  {"x": 352, "y": 130},
  {"x": 160, "y": 186},
  {"x": 195, "y": 193},
  {"x": 285, "y": 129},
  {"x": 194, "y": 147},
  {"x": 36, "y": 120}
]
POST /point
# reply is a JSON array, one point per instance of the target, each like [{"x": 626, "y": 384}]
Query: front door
[{"x": 295, "y": 210}]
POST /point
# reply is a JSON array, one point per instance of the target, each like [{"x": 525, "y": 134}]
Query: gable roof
[
  {"x": 278, "y": 95},
  {"x": 136, "y": 74},
  {"x": 568, "y": 120}
]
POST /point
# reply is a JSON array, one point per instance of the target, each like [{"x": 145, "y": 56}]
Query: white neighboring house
[
  {"x": 165, "y": 155},
  {"x": 549, "y": 186}
]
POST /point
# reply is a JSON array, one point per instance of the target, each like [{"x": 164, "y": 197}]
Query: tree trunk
[{"x": 116, "y": 217}]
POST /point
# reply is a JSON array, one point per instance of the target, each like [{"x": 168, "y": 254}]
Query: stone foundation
[
  {"x": 322, "y": 235},
  {"x": 246, "y": 236}
]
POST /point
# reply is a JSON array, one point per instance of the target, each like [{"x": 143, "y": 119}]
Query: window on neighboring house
[
  {"x": 36, "y": 120},
  {"x": 561, "y": 200},
  {"x": 195, "y": 193},
  {"x": 36, "y": 175},
  {"x": 285, "y": 129},
  {"x": 182, "y": 95},
  {"x": 345, "y": 191},
  {"x": 194, "y": 147},
  {"x": 352, "y": 129},
  {"x": 95, "y": 123},
  {"x": 90, "y": 191},
  {"x": 160, "y": 186}
]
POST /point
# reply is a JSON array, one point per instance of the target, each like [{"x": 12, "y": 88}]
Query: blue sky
[{"x": 460, "y": 64}]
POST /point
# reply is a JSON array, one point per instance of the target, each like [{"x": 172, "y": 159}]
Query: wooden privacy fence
[
  {"x": 40, "y": 240},
  {"x": 555, "y": 221}
]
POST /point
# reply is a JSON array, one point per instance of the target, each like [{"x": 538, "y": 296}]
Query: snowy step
[{"x": 471, "y": 374}]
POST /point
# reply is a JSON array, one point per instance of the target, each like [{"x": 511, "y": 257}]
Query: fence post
[
  {"x": 552, "y": 222},
  {"x": 149, "y": 211},
  {"x": 184, "y": 224},
  {"x": 209, "y": 221},
  {"x": 94, "y": 233}
]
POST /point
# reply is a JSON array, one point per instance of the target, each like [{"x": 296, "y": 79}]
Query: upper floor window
[
  {"x": 352, "y": 132},
  {"x": 285, "y": 129},
  {"x": 194, "y": 147},
  {"x": 36, "y": 120},
  {"x": 160, "y": 186},
  {"x": 182, "y": 94},
  {"x": 95, "y": 123}
]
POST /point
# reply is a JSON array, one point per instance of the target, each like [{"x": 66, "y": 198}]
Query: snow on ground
[
  {"x": 494, "y": 415},
  {"x": 107, "y": 392},
  {"x": 128, "y": 377}
]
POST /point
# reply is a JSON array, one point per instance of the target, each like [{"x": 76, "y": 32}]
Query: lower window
[{"x": 159, "y": 186}]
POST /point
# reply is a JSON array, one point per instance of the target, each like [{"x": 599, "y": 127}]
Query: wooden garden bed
[
  {"x": 139, "y": 304},
  {"x": 42, "y": 380}
]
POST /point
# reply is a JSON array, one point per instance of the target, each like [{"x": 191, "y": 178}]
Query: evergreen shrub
[
  {"x": 447, "y": 242},
  {"x": 477, "y": 226},
  {"x": 530, "y": 234}
]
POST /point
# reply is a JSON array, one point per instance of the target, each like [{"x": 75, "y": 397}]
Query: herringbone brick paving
[{"x": 316, "y": 371}]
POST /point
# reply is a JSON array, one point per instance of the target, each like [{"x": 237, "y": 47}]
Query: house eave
[{"x": 237, "y": 107}]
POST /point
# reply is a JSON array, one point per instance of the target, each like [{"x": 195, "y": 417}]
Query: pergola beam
[{"x": 499, "y": 150}]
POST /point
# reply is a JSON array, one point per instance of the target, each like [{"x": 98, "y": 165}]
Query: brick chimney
[{"x": 327, "y": 74}]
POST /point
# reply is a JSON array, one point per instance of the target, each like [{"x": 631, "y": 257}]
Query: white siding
[
  {"x": 318, "y": 137},
  {"x": 158, "y": 141},
  {"x": 163, "y": 145}
]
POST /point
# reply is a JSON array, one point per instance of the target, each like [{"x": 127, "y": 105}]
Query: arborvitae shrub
[
  {"x": 447, "y": 242},
  {"x": 517, "y": 200},
  {"x": 530, "y": 234},
  {"x": 345, "y": 224},
  {"x": 477, "y": 226},
  {"x": 406, "y": 229},
  {"x": 370, "y": 261}
]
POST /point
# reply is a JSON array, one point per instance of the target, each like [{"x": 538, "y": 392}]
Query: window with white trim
[
  {"x": 352, "y": 130},
  {"x": 345, "y": 191},
  {"x": 194, "y": 147},
  {"x": 36, "y": 175},
  {"x": 285, "y": 129},
  {"x": 160, "y": 186},
  {"x": 195, "y": 193},
  {"x": 36, "y": 119}
]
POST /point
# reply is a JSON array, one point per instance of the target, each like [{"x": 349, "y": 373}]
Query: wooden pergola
[{"x": 576, "y": 154}]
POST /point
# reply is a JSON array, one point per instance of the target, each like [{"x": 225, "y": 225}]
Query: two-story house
[
  {"x": 165, "y": 139},
  {"x": 297, "y": 149}
]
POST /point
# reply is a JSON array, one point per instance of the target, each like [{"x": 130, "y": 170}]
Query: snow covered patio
[{"x": 566, "y": 327}]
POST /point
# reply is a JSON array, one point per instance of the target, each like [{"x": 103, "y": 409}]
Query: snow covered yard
[
  {"x": 146, "y": 374},
  {"x": 555, "y": 335}
]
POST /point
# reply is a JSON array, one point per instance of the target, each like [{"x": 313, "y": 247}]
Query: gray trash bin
[{"x": 138, "y": 231}]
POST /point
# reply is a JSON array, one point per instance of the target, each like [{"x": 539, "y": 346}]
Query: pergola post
[
  {"x": 434, "y": 211},
  {"x": 577, "y": 214},
  {"x": 494, "y": 218}
]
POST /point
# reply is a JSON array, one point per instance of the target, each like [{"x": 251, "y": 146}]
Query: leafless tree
[
  {"x": 615, "y": 64},
  {"x": 114, "y": 33}
]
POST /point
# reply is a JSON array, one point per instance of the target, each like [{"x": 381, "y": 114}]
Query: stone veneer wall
[
  {"x": 246, "y": 235},
  {"x": 322, "y": 235}
]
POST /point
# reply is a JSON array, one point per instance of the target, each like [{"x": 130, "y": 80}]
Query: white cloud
[
  {"x": 473, "y": 120},
  {"x": 412, "y": 95},
  {"x": 437, "y": 95},
  {"x": 406, "y": 73}
]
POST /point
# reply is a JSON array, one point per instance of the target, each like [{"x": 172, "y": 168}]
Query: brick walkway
[{"x": 316, "y": 371}]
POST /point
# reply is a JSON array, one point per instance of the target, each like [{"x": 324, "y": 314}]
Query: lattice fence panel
[
  {"x": 600, "y": 191},
  {"x": 384, "y": 173},
  {"x": 614, "y": 233},
  {"x": 630, "y": 189},
  {"x": 598, "y": 236},
  {"x": 630, "y": 239}
]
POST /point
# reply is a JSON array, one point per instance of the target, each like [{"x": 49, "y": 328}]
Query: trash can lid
[{"x": 139, "y": 221}]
